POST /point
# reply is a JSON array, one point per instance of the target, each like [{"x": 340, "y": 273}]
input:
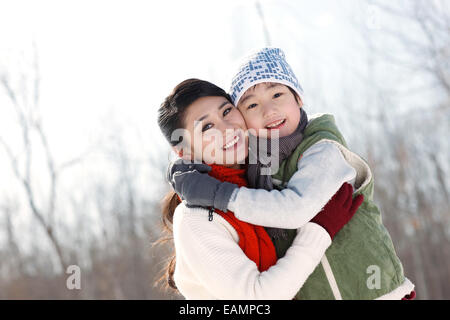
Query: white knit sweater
[{"x": 211, "y": 265}]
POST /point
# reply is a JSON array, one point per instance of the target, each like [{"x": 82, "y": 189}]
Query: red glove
[{"x": 339, "y": 210}]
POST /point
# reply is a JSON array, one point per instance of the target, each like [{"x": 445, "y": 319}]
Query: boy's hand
[
  {"x": 339, "y": 210},
  {"x": 193, "y": 184}
]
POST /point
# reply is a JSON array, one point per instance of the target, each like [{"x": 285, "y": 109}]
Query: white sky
[
  {"x": 99, "y": 58},
  {"x": 107, "y": 65}
]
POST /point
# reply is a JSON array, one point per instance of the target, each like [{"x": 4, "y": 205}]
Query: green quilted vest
[{"x": 361, "y": 250}]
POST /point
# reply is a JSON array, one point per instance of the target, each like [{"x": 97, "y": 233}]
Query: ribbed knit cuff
[
  {"x": 313, "y": 236},
  {"x": 232, "y": 202},
  {"x": 223, "y": 195}
]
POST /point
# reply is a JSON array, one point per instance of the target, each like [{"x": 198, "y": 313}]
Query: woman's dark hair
[
  {"x": 171, "y": 116},
  {"x": 172, "y": 112}
]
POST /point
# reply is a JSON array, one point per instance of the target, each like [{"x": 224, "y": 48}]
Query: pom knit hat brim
[{"x": 266, "y": 65}]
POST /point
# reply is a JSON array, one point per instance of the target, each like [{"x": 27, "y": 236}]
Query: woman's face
[{"x": 215, "y": 132}]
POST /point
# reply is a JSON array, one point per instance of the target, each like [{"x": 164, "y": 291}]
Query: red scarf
[{"x": 253, "y": 240}]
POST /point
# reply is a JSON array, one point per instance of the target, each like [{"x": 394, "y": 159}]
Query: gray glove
[{"x": 193, "y": 184}]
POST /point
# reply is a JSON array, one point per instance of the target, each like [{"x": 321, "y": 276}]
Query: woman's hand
[
  {"x": 339, "y": 210},
  {"x": 192, "y": 183}
]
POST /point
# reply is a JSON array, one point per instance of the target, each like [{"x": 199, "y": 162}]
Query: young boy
[{"x": 311, "y": 164}]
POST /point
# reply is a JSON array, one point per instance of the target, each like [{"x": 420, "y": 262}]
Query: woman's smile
[
  {"x": 236, "y": 142},
  {"x": 232, "y": 143}
]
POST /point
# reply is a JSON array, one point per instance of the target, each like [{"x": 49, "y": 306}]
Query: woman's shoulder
[
  {"x": 186, "y": 214},
  {"x": 197, "y": 220}
]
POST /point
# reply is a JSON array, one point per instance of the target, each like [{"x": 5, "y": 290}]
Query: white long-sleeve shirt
[
  {"x": 322, "y": 170},
  {"x": 211, "y": 265}
]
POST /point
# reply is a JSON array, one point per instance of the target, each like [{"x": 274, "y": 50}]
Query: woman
[{"x": 218, "y": 256}]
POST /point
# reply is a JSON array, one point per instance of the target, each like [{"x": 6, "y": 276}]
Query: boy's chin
[
  {"x": 274, "y": 133},
  {"x": 277, "y": 135},
  {"x": 287, "y": 131}
]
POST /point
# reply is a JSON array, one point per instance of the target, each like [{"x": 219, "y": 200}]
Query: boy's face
[{"x": 271, "y": 106}]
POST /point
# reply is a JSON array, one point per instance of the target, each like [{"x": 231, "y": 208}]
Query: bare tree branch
[{"x": 27, "y": 122}]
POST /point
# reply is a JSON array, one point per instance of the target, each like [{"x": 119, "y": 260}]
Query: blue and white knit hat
[{"x": 266, "y": 65}]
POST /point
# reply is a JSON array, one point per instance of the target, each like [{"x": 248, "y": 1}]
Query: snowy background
[{"x": 82, "y": 159}]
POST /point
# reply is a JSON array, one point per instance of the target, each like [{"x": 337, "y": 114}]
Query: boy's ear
[{"x": 300, "y": 102}]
